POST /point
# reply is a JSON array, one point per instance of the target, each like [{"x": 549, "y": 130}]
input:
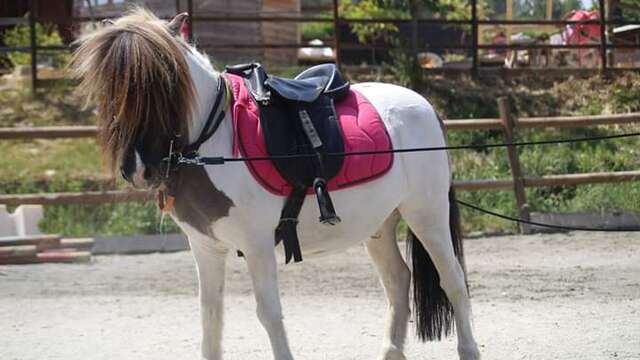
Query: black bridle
[{"x": 189, "y": 153}]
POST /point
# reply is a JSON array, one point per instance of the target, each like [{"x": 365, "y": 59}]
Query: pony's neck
[{"x": 205, "y": 81}]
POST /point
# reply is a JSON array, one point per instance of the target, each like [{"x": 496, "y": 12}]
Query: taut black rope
[
  {"x": 550, "y": 226},
  {"x": 198, "y": 160}
]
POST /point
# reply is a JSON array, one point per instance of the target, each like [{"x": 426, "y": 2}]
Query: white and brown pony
[{"x": 151, "y": 88}]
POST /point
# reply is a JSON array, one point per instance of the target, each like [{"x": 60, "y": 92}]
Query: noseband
[{"x": 189, "y": 153}]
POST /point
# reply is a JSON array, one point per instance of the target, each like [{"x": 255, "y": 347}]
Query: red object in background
[
  {"x": 184, "y": 31},
  {"x": 582, "y": 33}
]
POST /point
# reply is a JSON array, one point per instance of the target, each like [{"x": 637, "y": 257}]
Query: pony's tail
[{"x": 433, "y": 311}]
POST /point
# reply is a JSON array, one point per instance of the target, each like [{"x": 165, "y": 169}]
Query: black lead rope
[
  {"x": 535, "y": 223},
  {"x": 194, "y": 158}
]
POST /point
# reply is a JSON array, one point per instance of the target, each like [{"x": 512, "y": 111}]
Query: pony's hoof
[
  {"x": 469, "y": 352},
  {"x": 392, "y": 353}
]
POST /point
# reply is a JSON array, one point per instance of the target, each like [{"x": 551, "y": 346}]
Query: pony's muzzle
[{"x": 133, "y": 170}]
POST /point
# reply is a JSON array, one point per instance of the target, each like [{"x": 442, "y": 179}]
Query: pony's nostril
[{"x": 123, "y": 172}]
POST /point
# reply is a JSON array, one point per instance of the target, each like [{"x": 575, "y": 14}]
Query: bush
[
  {"x": 322, "y": 31},
  {"x": 46, "y": 35}
]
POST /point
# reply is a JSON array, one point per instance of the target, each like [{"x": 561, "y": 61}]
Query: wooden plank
[
  {"x": 578, "y": 121},
  {"x": 87, "y": 197},
  {"x": 7, "y": 252},
  {"x": 77, "y": 243},
  {"x": 64, "y": 257},
  {"x": 54, "y": 132},
  {"x": 549, "y": 180},
  {"x": 42, "y": 242},
  {"x": 512, "y": 151},
  {"x": 48, "y": 132},
  {"x": 581, "y": 179},
  {"x": 473, "y": 124}
]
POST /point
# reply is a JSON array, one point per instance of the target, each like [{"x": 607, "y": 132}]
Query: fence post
[
  {"x": 474, "y": 37},
  {"x": 33, "y": 45},
  {"x": 336, "y": 33},
  {"x": 603, "y": 37},
  {"x": 509, "y": 125},
  {"x": 414, "y": 27},
  {"x": 191, "y": 22}
]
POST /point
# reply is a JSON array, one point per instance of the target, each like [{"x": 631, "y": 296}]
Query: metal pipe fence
[{"x": 338, "y": 44}]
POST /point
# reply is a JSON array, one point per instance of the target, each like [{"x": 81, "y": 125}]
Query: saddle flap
[{"x": 304, "y": 90}]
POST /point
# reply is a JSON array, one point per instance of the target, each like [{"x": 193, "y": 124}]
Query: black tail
[{"x": 433, "y": 311}]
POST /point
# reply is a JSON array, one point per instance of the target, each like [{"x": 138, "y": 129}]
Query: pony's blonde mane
[{"x": 136, "y": 74}]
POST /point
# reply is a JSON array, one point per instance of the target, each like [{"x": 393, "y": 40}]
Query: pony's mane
[{"x": 136, "y": 74}]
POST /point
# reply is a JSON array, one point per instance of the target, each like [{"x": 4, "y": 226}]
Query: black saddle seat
[{"x": 310, "y": 84}]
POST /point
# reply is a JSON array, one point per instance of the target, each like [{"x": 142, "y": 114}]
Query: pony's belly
[{"x": 362, "y": 209}]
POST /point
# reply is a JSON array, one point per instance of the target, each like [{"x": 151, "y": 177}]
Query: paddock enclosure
[
  {"x": 570, "y": 296},
  {"x": 566, "y": 296}
]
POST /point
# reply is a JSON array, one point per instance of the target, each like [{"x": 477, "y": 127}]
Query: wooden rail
[
  {"x": 85, "y": 197},
  {"x": 549, "y": 180},
  {"x": 62, "y": 132},
  {"x": 47, "y": 132},
  {"x": 508, "y": 123},
  {"x": 114, "y": 196}
]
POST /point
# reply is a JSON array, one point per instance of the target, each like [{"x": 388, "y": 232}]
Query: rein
[{"x": 190, "y": 151}]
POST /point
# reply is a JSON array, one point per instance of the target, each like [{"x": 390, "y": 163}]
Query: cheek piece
[{"x": 164, "y": 197}]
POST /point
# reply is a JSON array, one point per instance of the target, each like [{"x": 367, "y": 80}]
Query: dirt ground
[{"x": 574, "y": 296}]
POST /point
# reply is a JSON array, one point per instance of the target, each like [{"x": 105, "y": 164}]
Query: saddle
[{"x": 298, "y": 117}]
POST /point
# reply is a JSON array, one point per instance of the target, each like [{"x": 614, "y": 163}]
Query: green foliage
[
  {"x": 536, "y": 9},
  {"x": 89, "y": 220},
  {"x": 371, "y": 9},
  {"x": 319, "y": 30},
  {"x": 626, "y": 94},
  {"x": 108, "y": 219},
  {"x": 46, "y": 35},
  {"x": 405, "y": 67},
  {"x": 630, "y": 9}
]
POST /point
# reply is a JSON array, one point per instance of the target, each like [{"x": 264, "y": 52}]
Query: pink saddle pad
[{"x": 362, "y": 128}]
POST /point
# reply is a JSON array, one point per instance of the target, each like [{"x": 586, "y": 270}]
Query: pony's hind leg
[
  {"x": 431, "y": 229},
  {"x": 395, "y": 277}
]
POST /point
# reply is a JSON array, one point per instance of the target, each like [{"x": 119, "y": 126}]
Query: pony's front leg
[
  {"x": 261, "y": 261},
  {"x": 210, "y": 260}
]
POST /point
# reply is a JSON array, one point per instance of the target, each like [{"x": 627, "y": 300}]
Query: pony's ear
[
  {"x": 107, "y": 22},
  {"x": 176, "y": 23}
]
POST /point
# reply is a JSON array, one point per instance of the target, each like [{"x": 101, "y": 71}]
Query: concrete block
[
  {"x": 139, "y": 244},
  {"x": 23, "y": 222}
]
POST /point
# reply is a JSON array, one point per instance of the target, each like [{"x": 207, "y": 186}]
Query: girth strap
[{"x": 286, "y": 230}]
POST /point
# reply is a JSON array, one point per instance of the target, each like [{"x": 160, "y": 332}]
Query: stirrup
[{"x": 327, "y": 211}]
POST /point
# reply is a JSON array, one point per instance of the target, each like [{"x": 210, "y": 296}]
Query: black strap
[
  {"x": 213, "y": 122},
  {"x": 286, "y": 230}
]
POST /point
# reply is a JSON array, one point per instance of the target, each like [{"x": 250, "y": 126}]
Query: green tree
[
  {"x": 537, "y": 9},
  {"x": 630, "y": 9}
]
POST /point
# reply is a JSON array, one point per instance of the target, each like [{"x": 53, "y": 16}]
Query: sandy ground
[{"x": 536, "y": 297}]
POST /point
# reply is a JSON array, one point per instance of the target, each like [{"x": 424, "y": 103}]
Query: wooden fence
[
  {"x": 508, "y": 123},
  {"x": 474, "y": 22}
]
